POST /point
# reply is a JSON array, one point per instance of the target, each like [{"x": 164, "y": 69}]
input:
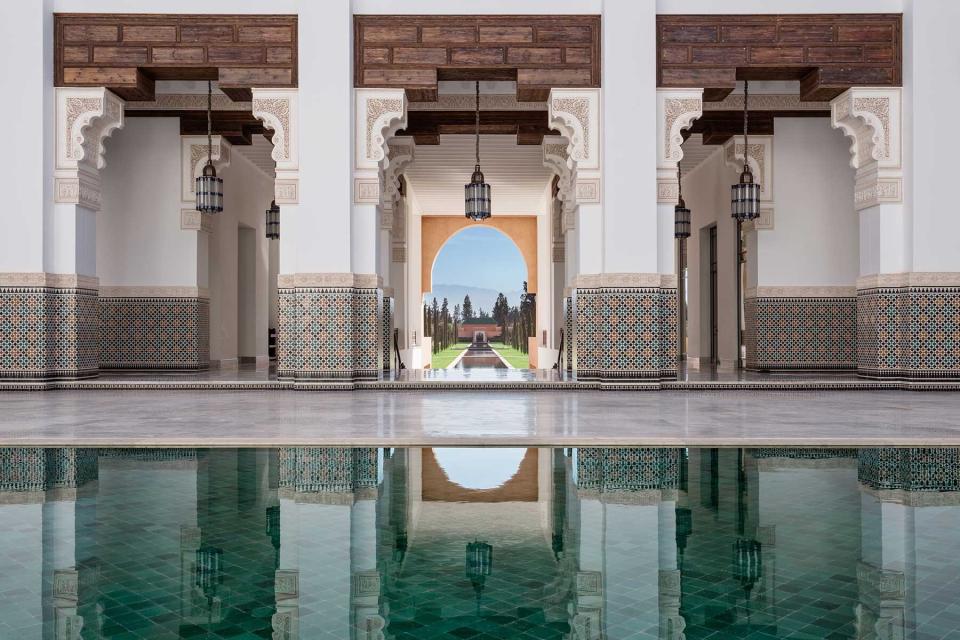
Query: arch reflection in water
[{"x": 367, "y": 543}]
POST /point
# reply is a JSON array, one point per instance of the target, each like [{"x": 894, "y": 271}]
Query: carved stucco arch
[
  {"x": 676, "y": 111},
  {"x": 379, "y": 114},
  {"x": 575, "y": 113},
  {"x": 278, "y": 109}
]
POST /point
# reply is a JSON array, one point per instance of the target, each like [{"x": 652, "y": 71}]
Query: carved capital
[
  {"x": 871, "y": 118},
  {"x": 379, "y": 114},
  {"x": 575, "y": 113},
  {"x": 760, "y": 160},
  {"x": 278, "y": 110},
  {"x": 400, "y": 153},
  {"x": 676, "y": 111},
  {"x": 86, "y": 116},
  {"x": 193, "y": 157}
]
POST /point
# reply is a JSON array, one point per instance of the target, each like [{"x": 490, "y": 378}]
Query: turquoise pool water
[{"x": 584, "y": 544}]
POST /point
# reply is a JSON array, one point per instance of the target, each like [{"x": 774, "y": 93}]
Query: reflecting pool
[{"x": 540, "y": 543}]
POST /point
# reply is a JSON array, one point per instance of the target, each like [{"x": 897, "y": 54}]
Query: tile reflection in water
[{"x": 411, "y": 543}]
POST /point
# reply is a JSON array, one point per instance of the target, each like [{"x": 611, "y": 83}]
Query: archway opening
[{"x": 480, "y": 309}]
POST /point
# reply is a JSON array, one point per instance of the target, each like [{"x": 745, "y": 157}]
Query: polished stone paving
[{"x": 271, "y": 418}]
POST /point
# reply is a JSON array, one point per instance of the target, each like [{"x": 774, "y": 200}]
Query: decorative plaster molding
[
  {"x": 388, "y": 292},
  {"x": 761, "y": 164},
  {"x": 51, "y": 280},
  {"x": 575, "y": 113},
  {"x": 559, "y": 253},
  {"x": 588, "y": 190},
  {"x": 193, "y": 157},
  {"x": 278, "y": 110},
  {"x": 153, "y": 291},
  {"x": 467, "y": 102},
  {"x": 625, "y": 281},
  {"x": 556, "y": 158},
  {"x": 799, "y": 291},
  {"x": 400, "y": 153},
  {"x": 315, "y": 280},
  {"x": 86, "y": 116},
  {"x": 193, "y": 220},
  {"x": 871, "y": 118},
  {"x": 398, "y": 254},
  {"x": 915, "y": 279},
  {"x": 676, "y": 111},
  {"x": 379, "y": 114},
  {"x": 366, "y": 191}
]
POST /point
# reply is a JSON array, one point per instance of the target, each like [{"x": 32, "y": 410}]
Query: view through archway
[{"x": 479, "y": 313}]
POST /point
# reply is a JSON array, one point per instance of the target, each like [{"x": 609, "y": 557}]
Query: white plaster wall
[
  {"x": 629, "y": 132},
  {"x": 24, "y": 73},
  {"x": 247, "y": 193},
  {"x": 815, "y": 236},
  {"x": 931, "y": 72},
  {"x": 780, "y": 6},
  {"x": 139, "y": 239},
  {"x": 706, "y": 191}
]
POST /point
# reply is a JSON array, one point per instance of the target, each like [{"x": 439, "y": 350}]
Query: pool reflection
[{"x": 582, "y": 543}]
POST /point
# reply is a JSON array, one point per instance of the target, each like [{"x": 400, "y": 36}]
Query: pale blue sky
[{"x": 481, "y": 257}]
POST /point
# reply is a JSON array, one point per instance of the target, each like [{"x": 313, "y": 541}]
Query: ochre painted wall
[{"x": 436, "y": 230}]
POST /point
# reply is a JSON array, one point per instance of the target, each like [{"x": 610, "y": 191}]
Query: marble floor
[{"x": 383, "y": 418}]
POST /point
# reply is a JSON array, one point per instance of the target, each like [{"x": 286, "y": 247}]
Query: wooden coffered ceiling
[
  {"x": 827, "y": 53},
  {"x": 127, "y": 53},
  {"x": 537, "y": 52}
]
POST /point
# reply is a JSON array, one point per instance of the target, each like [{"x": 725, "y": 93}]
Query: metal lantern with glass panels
[
  {"x": 477, "y": 196},
  {"x": 209, "y": 187},
  {"x": 681, "y": 215},
  {"x": 745, "y": 195},
  {"x": 273, "y": 221}
]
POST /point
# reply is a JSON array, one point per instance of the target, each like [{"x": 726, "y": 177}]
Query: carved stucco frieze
[
  {"x": 278, "y": 109},
  {"x": 871, "y": 118},
  {"x": 400, "y": 153},
  {"x": 86, "y": 116},
  {"x": 676, "y": 111},
  {"x": 379, "y": 114},
  {"x": 575, "y": 113},
  {"x": 760, "y": 160}
]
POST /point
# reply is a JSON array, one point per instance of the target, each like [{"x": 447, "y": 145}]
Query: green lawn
[
  {"x": 442, "y": 359},
  {"x": 515, "y": 357}
]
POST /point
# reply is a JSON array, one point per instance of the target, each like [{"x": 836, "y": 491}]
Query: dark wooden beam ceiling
[
  {"x": 827, "y": 53},
  {"x": 426, "y": 127},
  {"x": 719, "y": 126},
  {"x": 237, "y": 127},
  {"x": 128, "y": 53},
  {"x": 538, "y": 52}
]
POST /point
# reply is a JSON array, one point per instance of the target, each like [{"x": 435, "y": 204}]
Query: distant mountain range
[{"x": 479, "y": 296}]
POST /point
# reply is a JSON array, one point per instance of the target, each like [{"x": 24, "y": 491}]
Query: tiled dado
[
  {"x": 568, "y": 331},
  {"x": 798, "y": 332},
  {"x": 625, "y": 332},
  {"x": 908, "y": 326},
  {"x": 386, "y": 329},
  {"x": 48, "y": 327},
  {"x": 154, "y": 333},
  {"x": 332, "y": 331}
]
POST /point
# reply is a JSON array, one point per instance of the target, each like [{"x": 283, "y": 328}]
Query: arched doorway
[{"x": 478, "y": 296}]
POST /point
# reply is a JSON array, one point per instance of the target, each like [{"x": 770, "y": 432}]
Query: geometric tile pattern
[
  {"x": 154, "y": 333},
  {"x": 25, "y": 469},
  {"x": 800, "y": 333},
  {"x": 910, "y": 469},
  {"x": 386, "y": 337},
  {"x": 330, "y": 333},
  {"x": 327, "y": 469},
  {"x": 568, "y": 331},
  {"x": 615, "y": 469},
  {"x": 908, "y": 332},
  {"x": 626, "y": 333},
  {"x": 48, "y": 333}
]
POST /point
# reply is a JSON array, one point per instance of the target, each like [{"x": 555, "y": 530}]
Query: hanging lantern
[
  {"x": 479, "y": 560},
  {"x": 681, "y": 215},
  {"x": 273, "y": 221},
  {"x": 209, "y": 188},
  {"x": 747, "y": 563},
  {"x": 477, "y": 198},
  {"x": 745, "y": 195}
]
